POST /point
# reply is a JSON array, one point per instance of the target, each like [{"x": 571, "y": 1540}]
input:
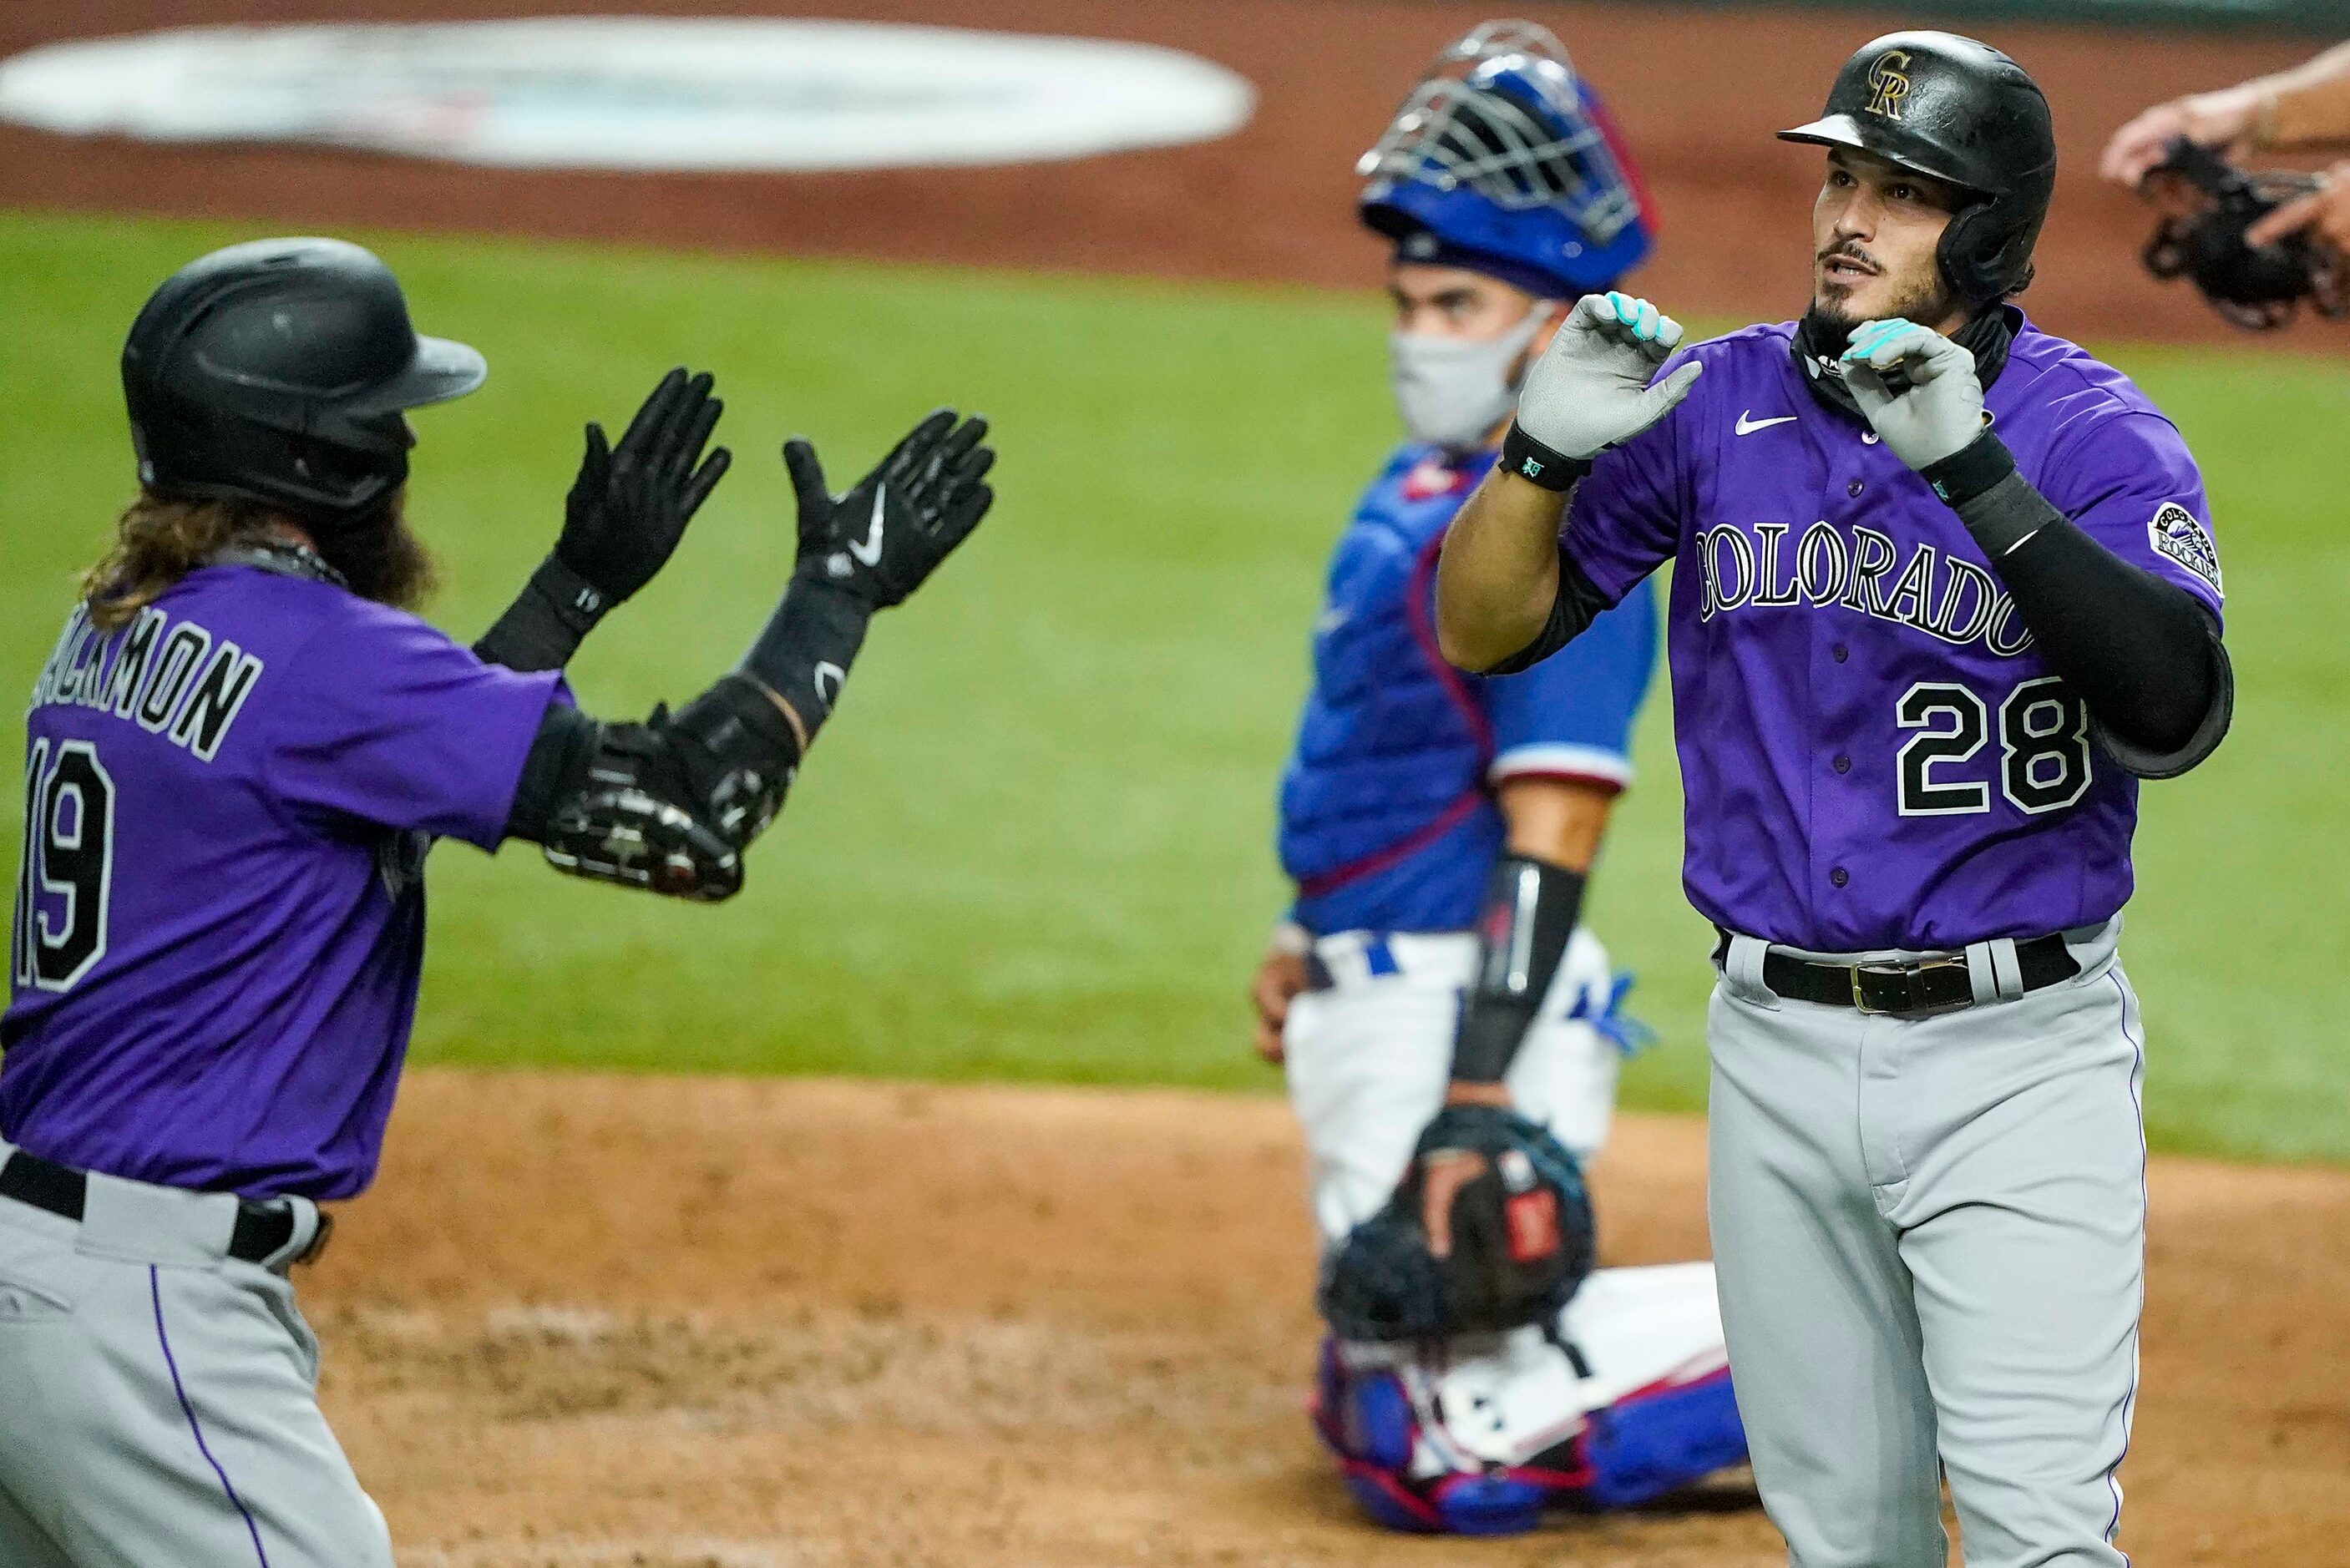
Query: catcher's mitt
[
  {"x": 2208, "y": 203},
  {"x": 1522, "y": 1241}
]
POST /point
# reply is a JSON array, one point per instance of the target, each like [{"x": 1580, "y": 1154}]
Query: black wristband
[
  {"x": 804, "y": 654},
  {"x": 2001, "y": 518},
  {"x": 579, "y": 602},
  {"x": 1969, "y": 472},
  {"x": 543, "y": 627},
  {"x": 1535, "y": 463}
]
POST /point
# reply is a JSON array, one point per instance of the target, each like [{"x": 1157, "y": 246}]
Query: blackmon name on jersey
[{"x": 171, "y": 677}]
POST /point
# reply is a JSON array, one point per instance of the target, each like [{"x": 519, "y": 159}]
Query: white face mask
[{"x": 1452, "y": 391}]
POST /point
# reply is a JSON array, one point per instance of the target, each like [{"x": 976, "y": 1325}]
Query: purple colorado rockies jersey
[
  {"x": 221, "y": 918},
  {"x": 1873, "y": 754}
]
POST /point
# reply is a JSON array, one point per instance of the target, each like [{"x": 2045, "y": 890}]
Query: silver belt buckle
[
  {"x": 1908, "y": 973},
  {"x": 319, "y": 1239}
]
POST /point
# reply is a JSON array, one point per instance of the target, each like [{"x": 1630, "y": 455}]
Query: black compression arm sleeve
[
  {"x": 1578, "y": 604},
  {"x": 556, "y": 769},
  {"x": 1530, "y": 911},
  {"x": 803, "y": 653},
  {"x": 543, "y": 627},
  {"x": 2142, "y": 653}
]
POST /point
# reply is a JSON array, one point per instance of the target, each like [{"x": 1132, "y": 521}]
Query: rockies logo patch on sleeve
[{"x": 2174, "y": 532}]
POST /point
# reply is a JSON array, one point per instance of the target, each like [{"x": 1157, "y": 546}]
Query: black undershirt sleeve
[
  {"x": 546, "y": 622},
  {"x": 554, "y": 771},
  {"x": 1578, "y": 604},
  {"x": 2145, "y": 656},
  {"x": 803, "y": 657}
]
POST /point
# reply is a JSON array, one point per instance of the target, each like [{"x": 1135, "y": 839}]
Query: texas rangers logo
[
  {"x": 1888, "y": 83},
  {"x": 2174, "y": 532}
]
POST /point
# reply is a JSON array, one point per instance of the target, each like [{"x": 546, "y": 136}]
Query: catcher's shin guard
[
  {"x": 1661, "y": 1439},
  {"x": 1367, "y": 1418}
]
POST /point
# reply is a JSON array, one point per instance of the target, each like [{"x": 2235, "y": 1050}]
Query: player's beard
[
  {"x": 379, "y": 557},
  {"x": 1927, "y": 300}
]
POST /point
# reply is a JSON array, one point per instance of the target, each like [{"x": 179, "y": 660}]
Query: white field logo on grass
[{"x": 634, "y": 92}]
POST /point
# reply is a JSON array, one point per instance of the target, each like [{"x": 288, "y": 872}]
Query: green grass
[{"x": 1035, "y": 845}]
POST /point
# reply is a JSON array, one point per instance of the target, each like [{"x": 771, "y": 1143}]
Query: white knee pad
[{"x": 1367, "y": 1063}]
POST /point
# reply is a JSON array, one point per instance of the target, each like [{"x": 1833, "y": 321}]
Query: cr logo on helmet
[{"x": 1889, "y": 79}]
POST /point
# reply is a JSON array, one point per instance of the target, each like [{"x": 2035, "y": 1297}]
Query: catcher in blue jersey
[{"x": 1431, "y": 992}]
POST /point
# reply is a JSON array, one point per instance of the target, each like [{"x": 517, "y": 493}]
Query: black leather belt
[
  {"x": 262, "y": 1228},
  {"x": 1913, "y": 990}
]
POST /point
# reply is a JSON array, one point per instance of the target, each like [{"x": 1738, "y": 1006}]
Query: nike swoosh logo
[
  {"x": 869, "y": 549},
  {"x": 1748, "y": 424}
]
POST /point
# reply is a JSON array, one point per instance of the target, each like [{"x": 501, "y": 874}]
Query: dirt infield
[
  {"x": 707, "y": 1324},
  {"x": 1699, "y": 90}
]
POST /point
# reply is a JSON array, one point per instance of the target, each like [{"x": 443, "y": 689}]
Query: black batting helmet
[
  {"x": 279, "y": 371},
  {"x": 1961, "y": 111}
]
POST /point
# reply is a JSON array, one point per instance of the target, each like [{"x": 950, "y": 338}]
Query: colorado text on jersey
[{"x": 1940, "y": 595}]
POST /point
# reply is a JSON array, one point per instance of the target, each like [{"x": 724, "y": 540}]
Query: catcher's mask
[
  {"x": 280, "y": 370},
  {"x": 2208, "y": 205},
  {"x": 1503, "y": 160},
  {"x": 1963, "y": 112}
]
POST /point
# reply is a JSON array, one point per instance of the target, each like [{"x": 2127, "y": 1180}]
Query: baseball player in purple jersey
[
  {"x": 236, "y": 758},
  {"x": 1416, "y": 797},
  {"x": 1945, "y": 591}
]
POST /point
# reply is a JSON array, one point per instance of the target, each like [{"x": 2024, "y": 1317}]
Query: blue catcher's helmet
[{"x": 1504, "y": 160}]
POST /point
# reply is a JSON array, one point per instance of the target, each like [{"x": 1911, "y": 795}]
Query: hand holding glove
[
  {"x": 1514, "y": 1241},
  {"x": 883, "y": 538},
  {"x": 1591, "y": 388},
  {"x": 1917, "y": 388}
]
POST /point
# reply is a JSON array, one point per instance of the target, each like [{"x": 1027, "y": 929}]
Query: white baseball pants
[
  {"x": 1930, "y": 1239},
  {"x": 158, "y": 1398}
]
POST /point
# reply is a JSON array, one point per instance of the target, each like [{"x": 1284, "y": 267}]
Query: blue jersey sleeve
[{"x": 1571, "y": 715}]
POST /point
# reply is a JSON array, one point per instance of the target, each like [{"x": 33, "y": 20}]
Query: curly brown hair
[{"x": 160, "y": 539}]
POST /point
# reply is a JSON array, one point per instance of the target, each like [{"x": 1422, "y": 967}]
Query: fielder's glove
[
  {"x": 2208, "y": 205},
  {"x": 1521, "y": 1240},
  {"x": 881, "y": 541}
]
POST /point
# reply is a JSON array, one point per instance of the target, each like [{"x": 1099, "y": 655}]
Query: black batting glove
[
  {"x": 629, "y": 506},
  {"x": 624, "y": 516},
  {"x": 879, "y": 542}
]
